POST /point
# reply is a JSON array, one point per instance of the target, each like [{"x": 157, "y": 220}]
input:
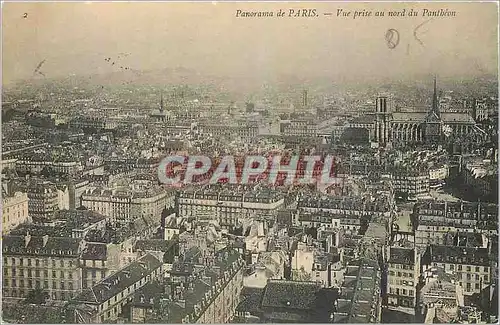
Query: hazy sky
[{"x": 75, "y": 38}]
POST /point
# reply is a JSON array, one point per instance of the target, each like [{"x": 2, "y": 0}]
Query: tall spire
[
  {"x": 161, "y": 102},
  {"x": 435, "y": 104}
]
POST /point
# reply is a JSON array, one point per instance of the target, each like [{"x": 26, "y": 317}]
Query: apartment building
[
  {"x": 104, "y": 302},
  {"x": 435, "y": 221},
  {"x": 351, "y": 223},
  {"x": 209, "y": 295},
  {"x": 125, "y": 205},
  {"x": 471, "y": 265},
  {"x": 299, "y": 127},
  {"x": 14, "y": 210},
  {"x": 402, "y": 276},
  {"x": 43, "y": 200},
  {"x": 413, "y": 182},
  {"x": 349, "y": 205},
  {"x": 228, "y": 205},
  {"x": 41, "y": 262}
]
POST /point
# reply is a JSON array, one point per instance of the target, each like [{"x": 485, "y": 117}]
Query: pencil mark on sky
[{"x": 416, "y": 29}]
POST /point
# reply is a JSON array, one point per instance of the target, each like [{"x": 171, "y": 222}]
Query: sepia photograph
[{"x": 249, "y": 162}]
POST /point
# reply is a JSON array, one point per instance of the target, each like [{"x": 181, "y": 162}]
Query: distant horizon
[{"x": 106, "y": 38}]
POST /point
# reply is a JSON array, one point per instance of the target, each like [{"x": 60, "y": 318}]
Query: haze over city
[{"x": 75, "y": 38}]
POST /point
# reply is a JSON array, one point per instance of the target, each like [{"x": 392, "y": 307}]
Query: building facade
[{"x": 14, "y": 210}]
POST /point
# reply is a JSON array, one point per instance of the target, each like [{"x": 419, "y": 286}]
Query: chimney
[
  {"x": 45, "y": 240},
  {"x": 27, "y": 239}
]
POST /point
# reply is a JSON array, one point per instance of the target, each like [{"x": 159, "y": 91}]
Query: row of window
[
  {"x": 55, "y": 295},
  {"x": 468, "y": 268},
  {"x": 35, "y": 262},
  {"x": 30, "y": 284},
  {"x": 36, "y": 273},
  {"x": 399, "y": 266},
  {"x": 402, "y": 292},
  {"x": 401, "y": 274},
  {"x": 399, "y": 282}
]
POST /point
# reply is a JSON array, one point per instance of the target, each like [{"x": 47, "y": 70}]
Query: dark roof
[
  {"x": 250, "y": 299},
  {"x": 145, "y": 295},
  {"x": 120, "y": 280},
  {"x": 159, "y": 245},
  {"x": 402, "y": 256},
  {"x": 290, "y": 294},
  {"x": 95, "y": 251},
  {"x": 458, "y": 255},
  {"x": 54, "y": 246}
]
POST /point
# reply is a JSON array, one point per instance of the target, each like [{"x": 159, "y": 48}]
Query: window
[
  {"x": 61, "y": 263},
  {"x": 29, "y": 273},
  {"x": 53, "y": 284},
  {"x": 45, "y": 284},
  {"x": 13, "y": 261},
  {"x": 468, "y": 268},
  {"x": 486, "y": 278},
  {"x": 70, "y": 275},
  {"x": 30, "y": 284},
  {"x": 37, "y": 262},
  {"x": 477, "y": 277},
  {"x": 460, "y": 267},
  {"x": 468, "y": 288},
  {"x": 477, "y": 269},
  {"x": 21, "y": 261},
  {"x": 54, "y": 275},
  {"x": 29, "y": 261},
  {"x": 70, "y": 285},
  {"x": 485, "y": 269},
  {"x": 53, "y": 263},
  {"x": 93, "y": 274},
  {"x": 62, "y": 274},
  {"x": 62, "y": 285},
  {"x": 37, "y": 273},
  {"x": 46, "y": 273},
  {"x": 14, "y": 284},
  {"x": 477, "y": 286},
  {"x": 13, "y": 271}
]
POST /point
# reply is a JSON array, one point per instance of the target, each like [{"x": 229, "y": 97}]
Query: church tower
[
  {"x": 382, "y": 131},
  {"x": 161, "y": 103},
  {"x": 433, "y": 123}
]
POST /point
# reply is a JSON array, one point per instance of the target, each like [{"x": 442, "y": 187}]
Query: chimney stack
[
  {"x": 27, "y": 239},
  {"x": 45, "y": 240}
]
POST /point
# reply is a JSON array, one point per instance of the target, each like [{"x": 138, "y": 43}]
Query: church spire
[
  {"x": 435, "y": 103},
  {"x": 161, "y": 102}
]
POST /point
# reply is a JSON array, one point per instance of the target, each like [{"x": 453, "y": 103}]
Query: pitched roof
[
  {"x": 54, "y": 246},
  {"x": 458, "y": 255},
  {"x": 452, "y": 117},
  {"x": 290, "y": 294},
  {"x": 121, "y": 280}
]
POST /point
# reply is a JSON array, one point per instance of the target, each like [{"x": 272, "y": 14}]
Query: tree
[{"x": 36, "y": 296}]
